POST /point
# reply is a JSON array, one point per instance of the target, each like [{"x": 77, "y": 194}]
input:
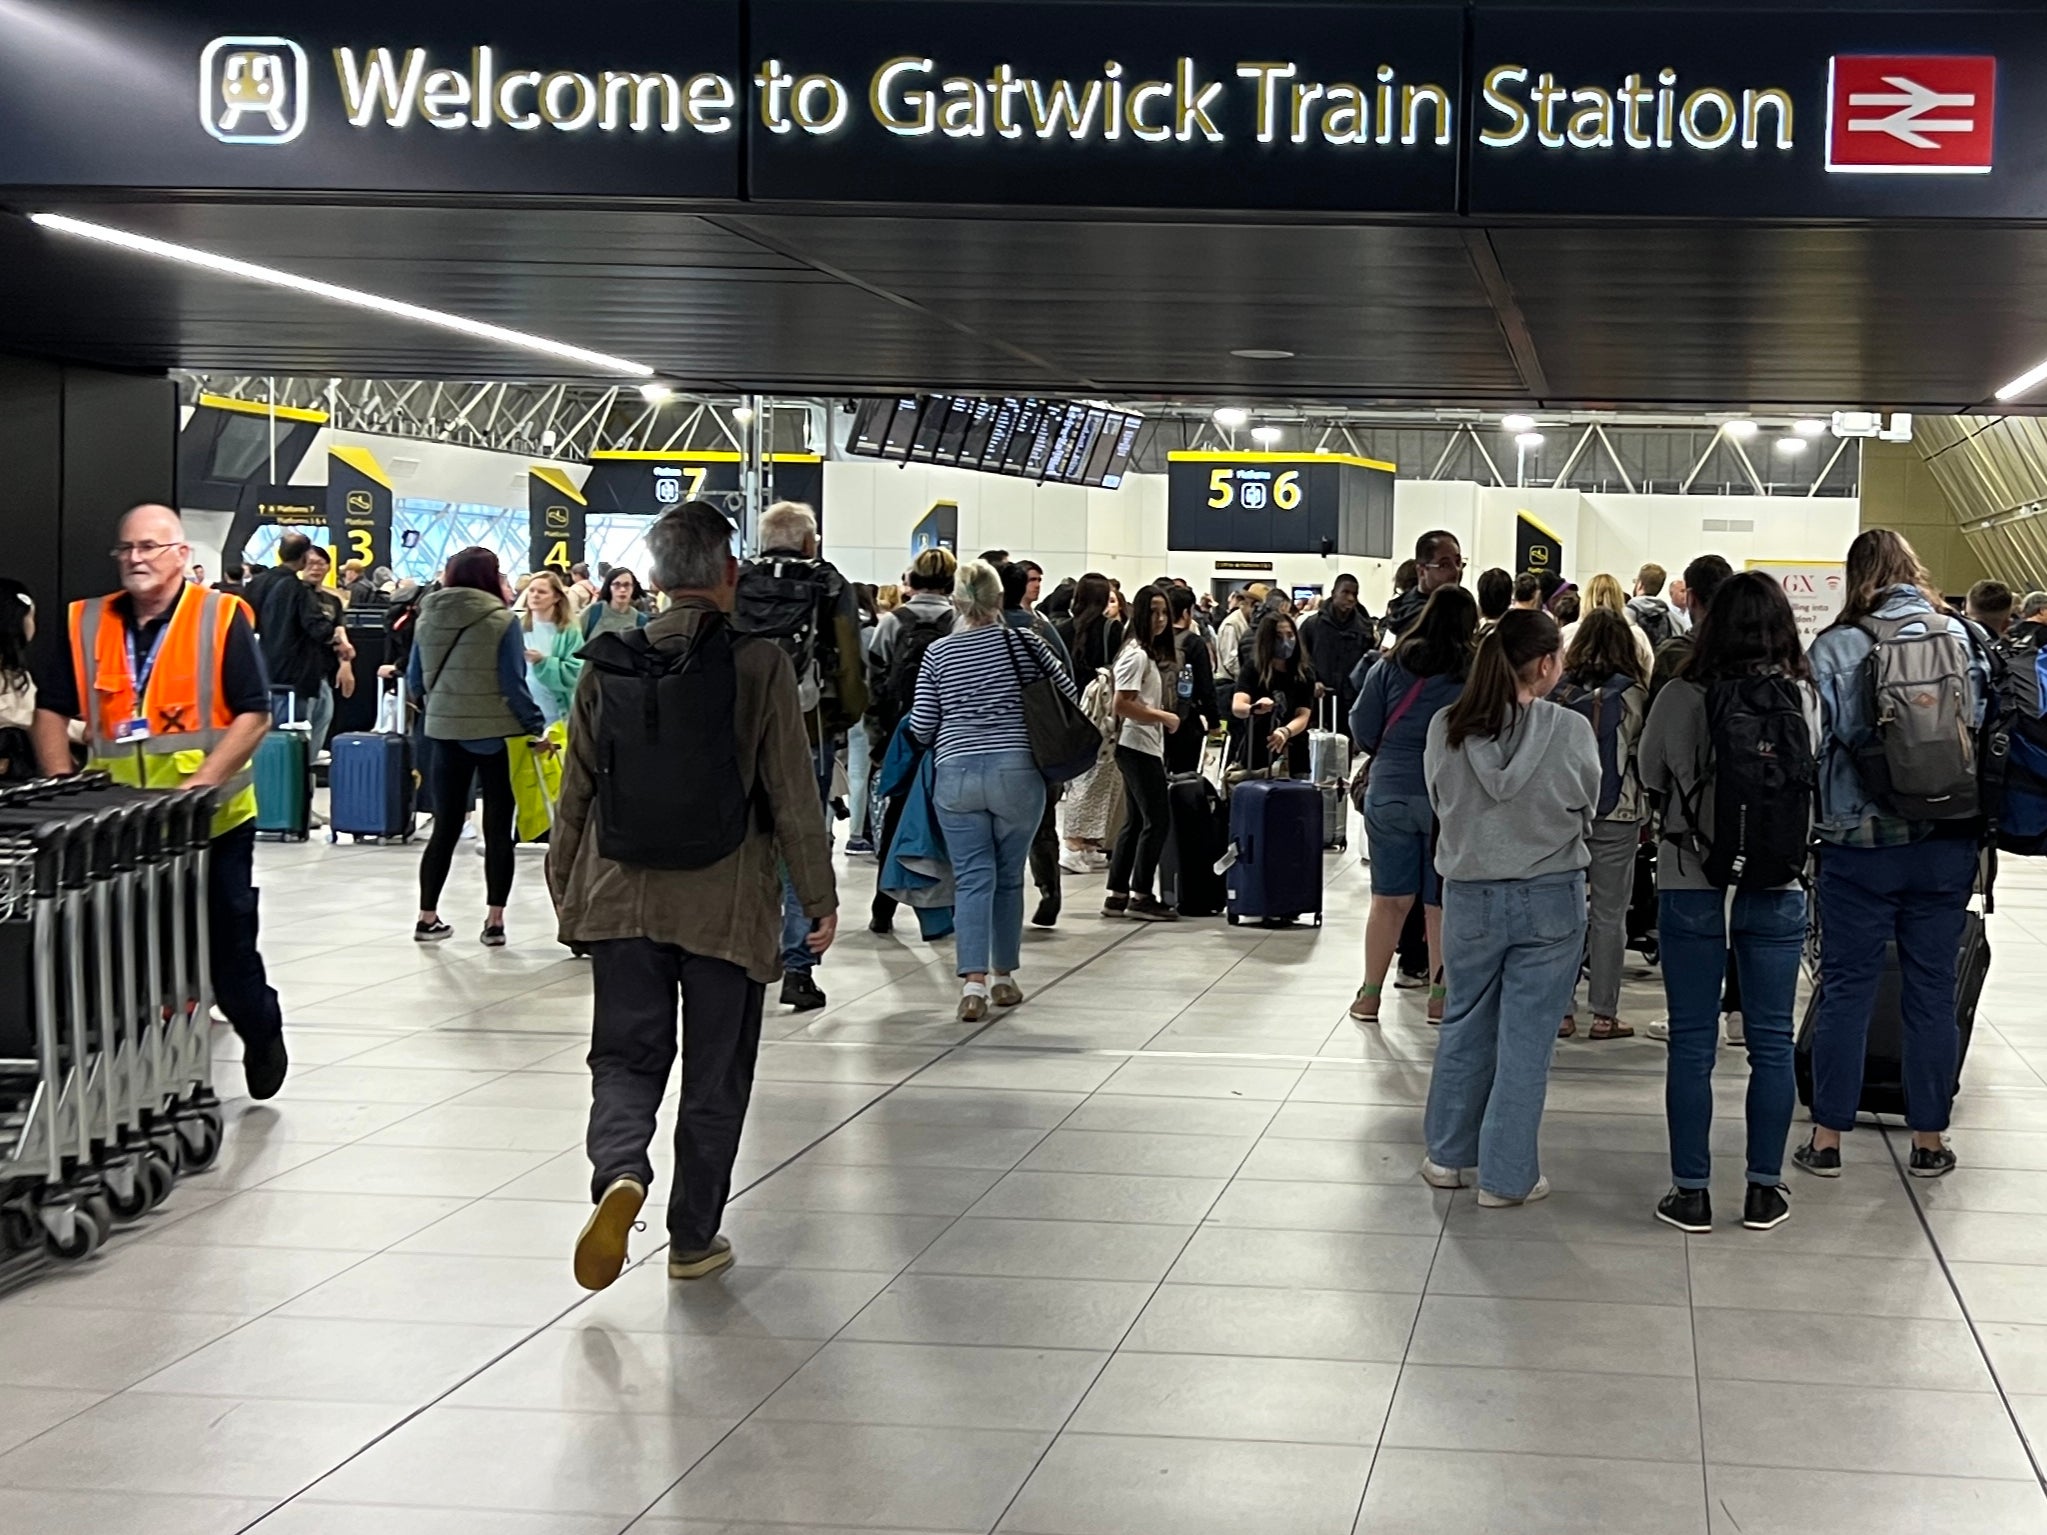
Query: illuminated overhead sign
[
  {"x": 1281, "y": 503},
  {"x": 1495, "y": 107}
]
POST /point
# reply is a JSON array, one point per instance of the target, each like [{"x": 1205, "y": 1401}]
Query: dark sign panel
[
  {"x": 1056, "y": 440},
  {"x": 1279, "y": 503},
  {"x": 376, "y": 95},
  {"x": 1313, "y": 105},
  {"x": 646, "y": 483},
  {"x": 358, "y": 508},
  {"x": 1536, "y": 548},
  {"x": 556, "y": 524}
]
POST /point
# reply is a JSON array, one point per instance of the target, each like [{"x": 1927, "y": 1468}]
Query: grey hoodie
[{"x": 1518, "y": 805}]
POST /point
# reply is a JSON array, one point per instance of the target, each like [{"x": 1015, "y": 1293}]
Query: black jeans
[
  {"x": 632, "y": 1048},
  {"x": 1134, "y": 866},
  {"x": 453, "y": 763},
  {"x": 240, "y": 984},
  {"x": 1045, "y": 848},
  {"x": 884, "y": 909}
]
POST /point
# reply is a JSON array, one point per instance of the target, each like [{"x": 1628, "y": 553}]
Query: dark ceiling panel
[{"x": 1933, "y": 317}]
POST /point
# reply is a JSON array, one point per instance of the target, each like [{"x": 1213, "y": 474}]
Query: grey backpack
[{"x": 1920, "y": 760}]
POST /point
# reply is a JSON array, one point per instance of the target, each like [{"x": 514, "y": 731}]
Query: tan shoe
[
  {"x": 973, "y": 1007},
  {"x": 1004, "y": 992},
  {"x": 601, "y": 1249},
  {"x": 695, "y": 1265}
]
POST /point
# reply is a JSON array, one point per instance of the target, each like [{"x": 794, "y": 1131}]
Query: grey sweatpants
[{"x": 1612, "y": 878}]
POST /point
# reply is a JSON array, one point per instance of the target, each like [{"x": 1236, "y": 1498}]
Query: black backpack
[
  {"x": 790, "y": 601},
  {"x": 916, "y": 634},
  {"x": 669, "y": 791},
  {"x": 1604, "y": 711},
  {"x": 1763, "y": 774},
  {"x": 1654, "y": 620}
]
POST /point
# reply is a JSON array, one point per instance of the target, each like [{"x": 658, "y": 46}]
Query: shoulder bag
[
  {"x": 1363, "y": 779},
  {"x": 1065, "y": 743}
]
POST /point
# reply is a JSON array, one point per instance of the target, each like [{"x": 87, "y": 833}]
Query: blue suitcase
[
  {"x": 370, "y": 782},
  {"x": 1276, "y": 833}
]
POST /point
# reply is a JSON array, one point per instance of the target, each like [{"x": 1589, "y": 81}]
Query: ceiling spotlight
[
  {"x": 1791, "y": 447},
  {"x": 1527, "y": 439},
  {"x": 656, "y": 394},
  {"x": 743, "y": 414},
  {"x": 1261, "y": 353},
  {"x": 1517, "y": 424},
  {"x": 356, "y": 298},
  {"x": 1810, "y": 427},
  {"x": 1740, "y": 426},
  {"x": 1229, "y": 417},
  {"x": 1265, "y": 436}
]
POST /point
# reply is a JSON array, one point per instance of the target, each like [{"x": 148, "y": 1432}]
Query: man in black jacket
[
  {"x": 1438, "y": 561},
  {"x": 1338, "y": 635},
  {"x": 297, "y": 633}
]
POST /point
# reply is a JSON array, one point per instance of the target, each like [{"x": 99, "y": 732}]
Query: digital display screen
[{"x": 1051, "y": 440}]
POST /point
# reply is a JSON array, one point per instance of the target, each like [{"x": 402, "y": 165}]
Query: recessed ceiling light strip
[{"x": 249, "y": 271}]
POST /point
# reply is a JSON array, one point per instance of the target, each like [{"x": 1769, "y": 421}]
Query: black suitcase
[
  {"x": 1883, "y": 1072},
  {"x": 1199, "y": 831},
  {"x": 1642, "y": 908}
]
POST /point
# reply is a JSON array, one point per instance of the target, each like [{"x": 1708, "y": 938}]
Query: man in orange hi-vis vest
[{"x": 169, "y": 682}]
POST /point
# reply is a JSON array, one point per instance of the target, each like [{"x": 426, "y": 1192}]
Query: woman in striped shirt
[{"x": 988, "y": 793}]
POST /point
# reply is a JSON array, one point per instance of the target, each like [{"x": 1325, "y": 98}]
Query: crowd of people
[{"x": 1545, "y": 773}]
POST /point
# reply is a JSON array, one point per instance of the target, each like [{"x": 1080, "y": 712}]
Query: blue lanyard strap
[{"x": 141, "y": 668}]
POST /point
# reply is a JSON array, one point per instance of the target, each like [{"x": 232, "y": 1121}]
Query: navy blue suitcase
[
  {"x": 370, "y": 784},
  {"x": 1276, "y": 832}
]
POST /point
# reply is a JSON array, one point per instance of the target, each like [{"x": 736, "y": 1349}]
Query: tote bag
[{"x": 1064, "y": 741}]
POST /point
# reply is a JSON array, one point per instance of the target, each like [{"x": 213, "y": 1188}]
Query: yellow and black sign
[
  {"x": 1536, "y": 547},
  {"x": 1285, "y": 503},
  {"x": 358, "y": 508},
  {"x": 555, "y": 520}
]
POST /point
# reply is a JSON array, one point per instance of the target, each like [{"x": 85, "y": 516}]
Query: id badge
[{"x": 126, "y": 731}]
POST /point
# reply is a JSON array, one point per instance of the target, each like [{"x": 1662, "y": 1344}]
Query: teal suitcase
[{"x": 284, "y": 782}]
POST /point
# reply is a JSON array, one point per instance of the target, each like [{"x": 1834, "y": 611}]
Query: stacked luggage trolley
[{"x": 105, "y": 1053}]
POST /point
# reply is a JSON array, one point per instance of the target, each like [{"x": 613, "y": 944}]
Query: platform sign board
[
  {"x": 1279, "y": 503},
  {"x": 647, "y": 482},
  {"x": 556, "y": 525},
  {"x": 938, "y": 528},
  {"x": 1816, "y": 588},
  {"x": 358, "y": 508},
  {"x": 1536, "y": 546}
]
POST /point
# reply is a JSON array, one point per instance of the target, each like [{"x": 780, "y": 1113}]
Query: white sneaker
[
  {"x": 1502, "y": 1202},
  {"x": 1736, "y": 1031},
  {"x": 1438, "y": 1177},
  {"x": 468, "y": 830},
  {"x": 1658, "y": 1028},
  {"x": 1075, "y": 862}
]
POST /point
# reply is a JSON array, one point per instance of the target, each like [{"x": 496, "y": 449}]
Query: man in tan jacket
[{"x": 705, "y": 924}]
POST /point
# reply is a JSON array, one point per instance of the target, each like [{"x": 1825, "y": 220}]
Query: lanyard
[{"x": 141, "y": 668}]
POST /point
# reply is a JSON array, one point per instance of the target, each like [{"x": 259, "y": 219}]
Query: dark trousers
[
  {"x": 891, "y": 823},
  {"x": 240, "y": 984},
  {"x": 1045, "y": 848},
  {"x": 1916, "y": 896},
  {"x": 453, "y": 765},
  {"x": 632, "y": 1048},
  {"x": 1414, "y": 942},
  {"x": 1134, "y": 866}
]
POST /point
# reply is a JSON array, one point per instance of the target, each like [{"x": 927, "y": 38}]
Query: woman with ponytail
[{"x": 1514, "y": 780}]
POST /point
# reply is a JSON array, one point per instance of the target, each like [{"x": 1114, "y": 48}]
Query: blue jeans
[
  {"x": 1915, "y": 896},
  {"x": 796, "y": 956},
  {"x": 1511, "y": 950},
  {"x": 989, "y": 806},
  {"x": 1767, "y": 938}
]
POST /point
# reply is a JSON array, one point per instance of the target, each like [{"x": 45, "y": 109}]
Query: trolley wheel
[
  {"x": 161, "y": 1177},
  {"x": 101, "y": 1212},
  {"x": 200, "y": 1136},
  {"x": 1318, "y": 919},
  {"x": 86, "y": 1236},
  {"x": 136, "y": 1202},
  {"x": 1233, "y": 919}
]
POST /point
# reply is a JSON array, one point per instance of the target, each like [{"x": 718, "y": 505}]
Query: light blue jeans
[
  {"x": 1511, "y": 951},
  {"x": 796, "y": 956},
  {"x": 989, "y": 806},
  {"x": 859, "y": 781}
]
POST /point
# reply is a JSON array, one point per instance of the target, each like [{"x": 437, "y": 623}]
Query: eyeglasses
[
  {"x": 144, "y": 550},
  {"x": 1444, "y": 565}
]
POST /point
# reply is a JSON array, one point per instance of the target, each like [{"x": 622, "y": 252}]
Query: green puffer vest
[{"x": 460, "y": 632}]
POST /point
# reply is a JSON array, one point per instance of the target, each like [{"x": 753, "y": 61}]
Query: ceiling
[{"x": 1558, "y": 314}]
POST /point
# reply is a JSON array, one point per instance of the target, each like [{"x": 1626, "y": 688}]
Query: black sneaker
[
  {"x": 493, "y": 936},
  {"x": 1821, "y": 1164},
  {"x": 881, "y": 922},
  {"x": 1688, "y": 1210},
  {"x": 1115, "y": 905},
  {"x": 1144, "y": 908},
  {"x": 1047, "y": 913},
  {"x": 431, "y": 932},
  {"x": 801, "y": 992},
  {"x": 265, "y": 1061},
  {"x": 1766, "y": 1207},
  {"x": 1937, "y": 1163}
]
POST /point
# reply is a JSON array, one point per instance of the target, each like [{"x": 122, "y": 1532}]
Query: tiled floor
[{"x": 1148, "y": 1254}]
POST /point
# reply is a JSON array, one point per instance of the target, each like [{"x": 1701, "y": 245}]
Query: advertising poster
[{"x": 1816, "y": 588}]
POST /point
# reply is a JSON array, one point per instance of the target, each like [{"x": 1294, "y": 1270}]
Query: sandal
[
  {"x": 1368, "y": 995},
  {"x": 1610, "y": 1028},
  {"x": 1437, "y": 995},
  {"x": 1569, "y": 1028}
]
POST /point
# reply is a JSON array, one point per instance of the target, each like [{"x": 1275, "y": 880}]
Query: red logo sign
[{"x": 1927, "y": 115}]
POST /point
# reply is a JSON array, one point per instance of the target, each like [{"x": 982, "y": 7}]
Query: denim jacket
[{"x": 1848, "y": 817}]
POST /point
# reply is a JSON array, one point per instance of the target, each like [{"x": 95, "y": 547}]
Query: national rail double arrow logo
[{"x": 1906, "y": 115}]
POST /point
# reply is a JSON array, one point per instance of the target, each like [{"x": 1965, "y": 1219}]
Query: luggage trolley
[{"x": 105, "y": 1057}]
